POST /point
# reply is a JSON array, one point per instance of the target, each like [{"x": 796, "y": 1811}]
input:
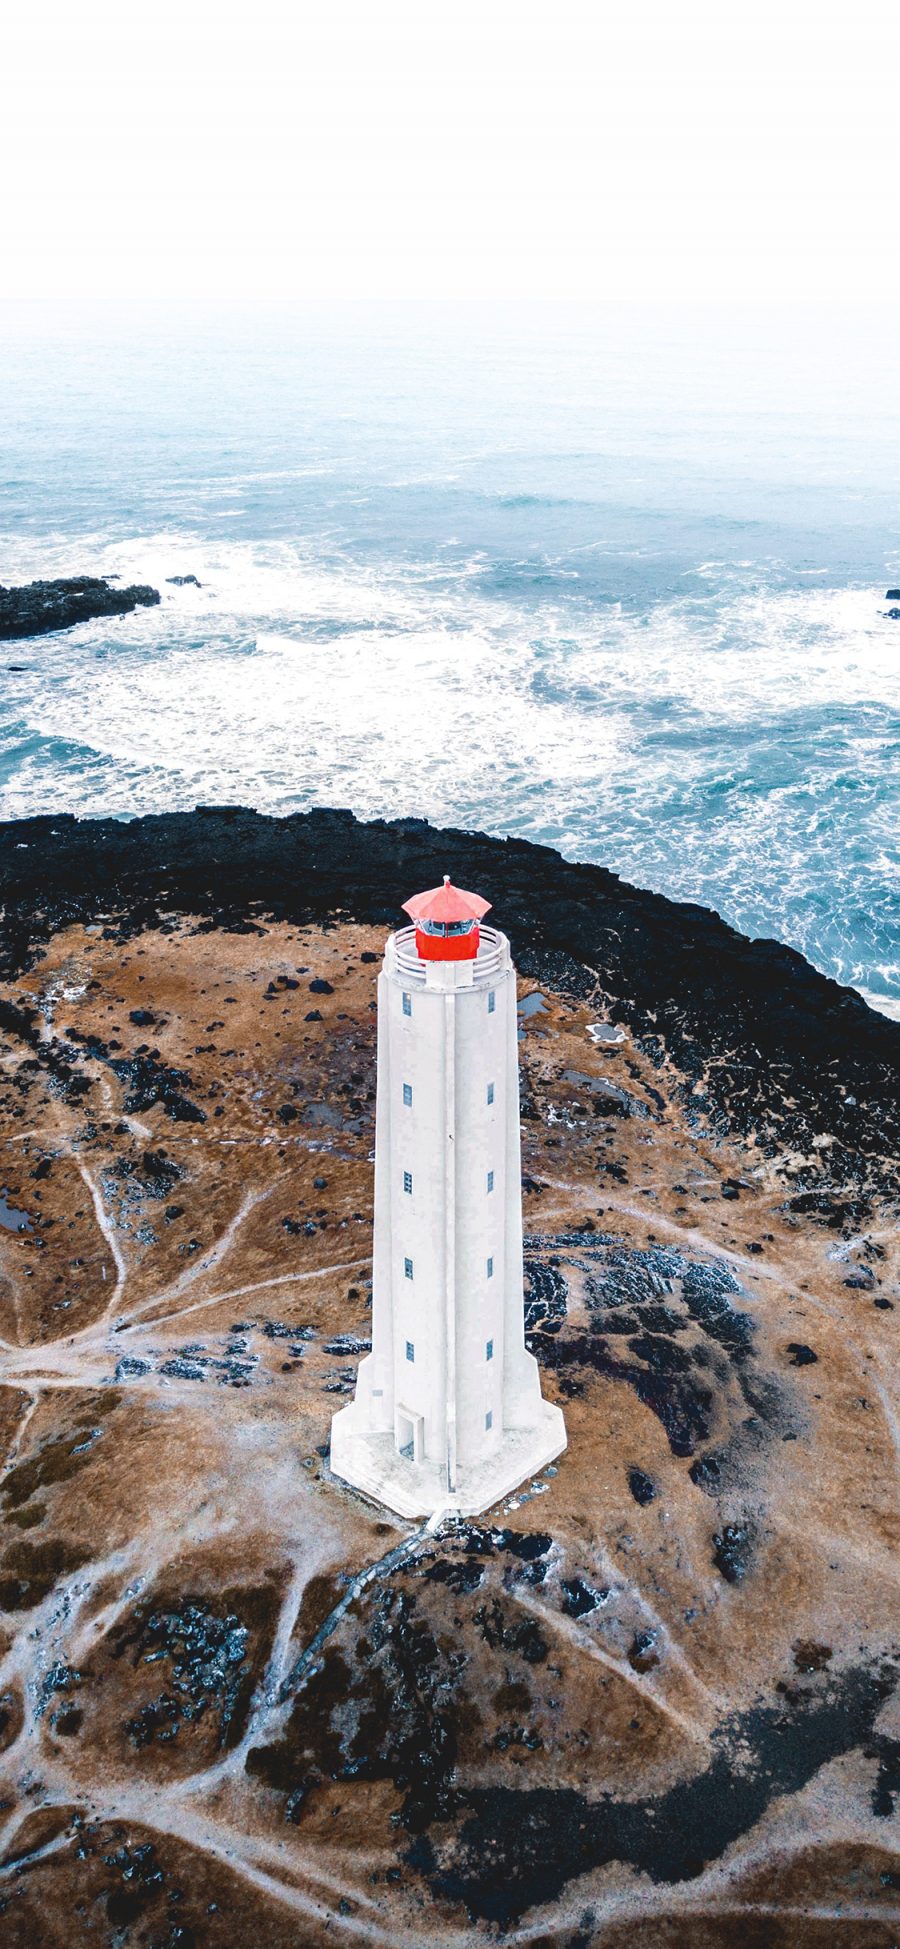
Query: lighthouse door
[{"x": 410, "y": 1435}]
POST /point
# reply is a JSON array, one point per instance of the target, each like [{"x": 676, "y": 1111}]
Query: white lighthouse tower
[{"x": 448, "y": 1411}]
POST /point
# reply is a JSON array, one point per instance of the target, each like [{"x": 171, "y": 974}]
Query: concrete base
[{"x": 371, "y": 1463}]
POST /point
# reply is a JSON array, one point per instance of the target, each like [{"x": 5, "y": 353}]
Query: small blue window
[
  {"x": 407, "y": 1180},
  {"x": 490, "y": 1180},
  {"x": 407, "y": 1268},
  {"x": 489, "y": 1418},
  {"x": 407, "y": 1003},
  {"x": 490, "y": 1092},
  {"x": 489, "y": 1350},
  {"x": 492, "y": 1001},
  {"x": 490, "y": 1268},
  {"x": 410, "y": 1350},
  {"x": 407, "y": 1095}
]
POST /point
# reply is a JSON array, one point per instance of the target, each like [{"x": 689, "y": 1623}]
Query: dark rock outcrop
[{"x": 38, "y": 608}]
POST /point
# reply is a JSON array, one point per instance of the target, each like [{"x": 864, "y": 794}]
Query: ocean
[{"x": 613, "y": 581}]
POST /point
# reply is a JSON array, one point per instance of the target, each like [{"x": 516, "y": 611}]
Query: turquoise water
[{"x": 612, "y": 581}]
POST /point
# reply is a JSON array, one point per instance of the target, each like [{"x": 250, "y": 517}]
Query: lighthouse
[{"x": 448, "y": 1411}]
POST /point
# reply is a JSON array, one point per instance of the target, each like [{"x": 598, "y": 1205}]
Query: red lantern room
[{"x": 446, "y": 922}]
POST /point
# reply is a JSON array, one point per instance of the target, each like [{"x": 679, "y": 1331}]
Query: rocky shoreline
[
  {"x": 39, "y": 608},
  {"x": 765, "y": 1048}
]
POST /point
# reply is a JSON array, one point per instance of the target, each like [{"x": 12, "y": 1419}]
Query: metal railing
[{"x": 491, "y": 960}]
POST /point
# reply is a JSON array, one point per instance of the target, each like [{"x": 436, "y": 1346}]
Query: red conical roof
[{"x": 445, "y": 904}]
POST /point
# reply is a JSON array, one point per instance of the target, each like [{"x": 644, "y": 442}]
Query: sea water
[{"x": 610, "y": 580}]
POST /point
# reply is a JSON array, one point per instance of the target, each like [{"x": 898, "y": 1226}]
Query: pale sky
[{"x": 480, "y": 149}]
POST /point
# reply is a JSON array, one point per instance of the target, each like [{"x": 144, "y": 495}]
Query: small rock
[
  {"x": 643, "y": 1655},
  {"x": 580, "y": 1598},
  {"x": 706, "y": 1473},
  {"x": 801, "y": 1356},
  {"x": 642, "y": 1487},
  {"x": 731, "y": 1551}
]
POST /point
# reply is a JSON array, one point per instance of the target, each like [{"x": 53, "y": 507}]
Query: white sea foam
[{"x": 884, "y": 1004}]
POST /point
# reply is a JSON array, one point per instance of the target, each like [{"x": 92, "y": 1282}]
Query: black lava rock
[
  {"x": 528, "y": 1547},
  {"x": 707, "y": 1473},
  {"x": 801, "y": 1356},
  {"x": 40, "y": 607},
  {"x": 462, "y": 1573},
  {"x": 153, "y": 1175},
  {"x": 731, "y": 1551},
  {"x": 131, "y": 1367},
  {"x": 641, "y": 1486},
  {"x": 643, "y": 1654},
  {"x": 545, "y": 1296},
  {"x": 499, "y": 1634},
  {"x": 206, "y": 1669},
  {"x": 580, "y": 1598},
  {"x": 184, "y": 1370}
]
